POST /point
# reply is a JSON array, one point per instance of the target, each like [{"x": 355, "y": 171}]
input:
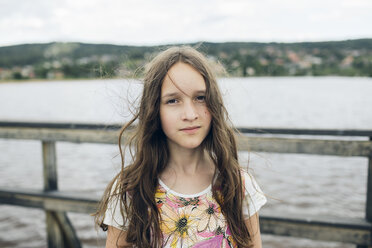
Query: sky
[{"x": 155, "y": 22}]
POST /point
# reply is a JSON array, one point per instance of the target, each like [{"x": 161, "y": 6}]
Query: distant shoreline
[
  {"x": 71, "y": 60},
  {"x": 43, "y": 80}
]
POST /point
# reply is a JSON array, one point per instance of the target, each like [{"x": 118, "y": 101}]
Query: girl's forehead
[{"x": 183, "y": 78}]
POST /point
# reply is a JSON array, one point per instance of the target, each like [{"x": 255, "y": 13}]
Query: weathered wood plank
[
  {"x": 354, "y": 231},
  {"x": 70, "y": 238},
  {"x": 301, "y": 131},
  {"x": 52, "y": 200},
  {"x": 54, "y": 234},
  {"x": 49, "y": 165},
  {"x": 305, "y": 146},
  {"x": 259, "y": 144},
  {"x": 63, "y": 125},
  {"x": 69, "y": 135},
  {"x": 60, "y": 232},
  {"x": 369, "y": 188}
]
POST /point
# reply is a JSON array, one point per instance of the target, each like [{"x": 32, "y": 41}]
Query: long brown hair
[{"x": 137, "y": 182}]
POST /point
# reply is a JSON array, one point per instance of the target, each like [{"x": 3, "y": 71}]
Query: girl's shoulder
[
  {"x": 249, "y": 183},
  {"x": 254, "y": 197}
]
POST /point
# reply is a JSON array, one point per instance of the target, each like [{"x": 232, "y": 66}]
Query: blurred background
[{"x": 280, "y": 64}]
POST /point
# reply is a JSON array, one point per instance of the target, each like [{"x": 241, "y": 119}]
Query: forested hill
[{"x": 79, "y": 60}]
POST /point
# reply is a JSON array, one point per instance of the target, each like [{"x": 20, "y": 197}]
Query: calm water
[{"x": 296, "y": 184}]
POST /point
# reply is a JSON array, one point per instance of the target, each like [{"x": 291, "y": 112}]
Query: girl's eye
[
  {"x": 200, "y": 98},
  {"x": 171, "y": 101}
]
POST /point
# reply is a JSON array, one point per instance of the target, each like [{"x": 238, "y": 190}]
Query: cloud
[{"x": 167, "y": 21}]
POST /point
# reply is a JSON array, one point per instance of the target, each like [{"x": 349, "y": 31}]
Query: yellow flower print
[{"x": 178, "y": 226}]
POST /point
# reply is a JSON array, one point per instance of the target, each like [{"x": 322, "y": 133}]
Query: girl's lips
[{"x": 190, "y": 130}]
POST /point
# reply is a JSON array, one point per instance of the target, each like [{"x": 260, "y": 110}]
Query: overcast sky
[{"x": 150, "y": 22}]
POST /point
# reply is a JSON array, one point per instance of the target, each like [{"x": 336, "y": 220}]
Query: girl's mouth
[{"x": 190, "y": 130}]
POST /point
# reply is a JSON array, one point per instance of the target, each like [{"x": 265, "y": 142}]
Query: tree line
[{"x": 237, "y": 59}]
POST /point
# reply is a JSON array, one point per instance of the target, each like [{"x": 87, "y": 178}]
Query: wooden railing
[{"x": 61, "y": 233}]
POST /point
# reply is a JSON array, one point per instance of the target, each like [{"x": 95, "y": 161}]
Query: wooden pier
[{"x": 61, "y": 233}]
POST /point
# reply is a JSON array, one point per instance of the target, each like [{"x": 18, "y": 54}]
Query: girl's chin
[{"x": 188, "y": 146}]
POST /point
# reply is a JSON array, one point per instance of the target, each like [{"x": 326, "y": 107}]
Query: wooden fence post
[
  {"x": 369, "y": 195},
  {"x": 60, "y": 232}
]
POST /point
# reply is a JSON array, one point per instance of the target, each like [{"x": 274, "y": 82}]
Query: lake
[{"x": 295, "y": 184}]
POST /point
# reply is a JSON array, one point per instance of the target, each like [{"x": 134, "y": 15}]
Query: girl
[{"x": 184, "y": 187}]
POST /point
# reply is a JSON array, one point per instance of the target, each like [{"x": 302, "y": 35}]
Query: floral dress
[{"x": 195, "y": 220}]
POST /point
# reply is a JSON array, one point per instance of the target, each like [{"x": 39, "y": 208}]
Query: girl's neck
[
  {"x": 188, "y": 161},
  {"x": 189, "y": 171}
]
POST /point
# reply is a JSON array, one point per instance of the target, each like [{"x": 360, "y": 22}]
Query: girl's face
[{"x": 184, "y": 116}]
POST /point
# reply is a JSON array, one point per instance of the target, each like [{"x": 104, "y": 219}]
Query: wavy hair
[{"x": 134, "y": 187}]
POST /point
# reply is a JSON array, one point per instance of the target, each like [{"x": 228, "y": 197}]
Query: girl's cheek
[{"x": 206, "y": 112}]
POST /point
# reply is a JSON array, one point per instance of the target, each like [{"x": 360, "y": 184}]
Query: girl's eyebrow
[
  {"x": 200, "y": 92},
  {"x": 172, "y": 94}
]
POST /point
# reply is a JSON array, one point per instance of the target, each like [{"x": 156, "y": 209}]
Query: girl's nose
[{"x": 189, "y": 112}]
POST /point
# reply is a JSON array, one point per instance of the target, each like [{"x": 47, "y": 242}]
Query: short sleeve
[
  {"x": 254, "y": 198},
  {"x": 113, "y": 215}
]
